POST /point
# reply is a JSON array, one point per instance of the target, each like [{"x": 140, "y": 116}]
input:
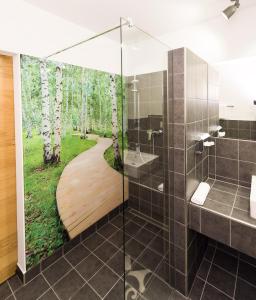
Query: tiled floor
[
  {"x": 225, "y": 274},
  {"x": 94, "y": 269}
]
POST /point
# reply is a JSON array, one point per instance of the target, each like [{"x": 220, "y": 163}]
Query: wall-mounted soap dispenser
[{"x": 202, "y": 143}]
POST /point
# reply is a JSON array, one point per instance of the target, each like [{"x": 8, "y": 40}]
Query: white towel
[
  {"x": 253, "y": 198},
  {"x": 201, "y": 193}
]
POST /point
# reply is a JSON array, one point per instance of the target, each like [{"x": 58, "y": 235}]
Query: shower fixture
[{"x": 230, "y": 10}]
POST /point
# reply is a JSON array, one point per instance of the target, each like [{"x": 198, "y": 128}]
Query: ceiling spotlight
[{"x": 229, "y": 11}]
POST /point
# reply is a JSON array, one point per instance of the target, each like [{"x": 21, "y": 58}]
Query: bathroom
[{"x": 129, "y": 151}]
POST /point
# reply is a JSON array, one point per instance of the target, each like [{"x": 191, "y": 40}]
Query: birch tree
[
  {"x": 46, "y": 126},
  {"x": 84, "y": 112},
  {"x": 57, "y": 115},
  {"x": 118, "y": 161}
]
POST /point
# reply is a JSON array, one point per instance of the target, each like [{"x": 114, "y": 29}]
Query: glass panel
[
  {"x": 145, "y": 156},
  {"x": 72, "y": 103}
]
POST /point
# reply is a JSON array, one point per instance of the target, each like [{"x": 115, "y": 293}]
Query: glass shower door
[{"x": 146, "y": 233}]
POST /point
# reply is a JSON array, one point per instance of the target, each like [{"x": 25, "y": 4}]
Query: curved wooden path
[{"x": 89, "y": 189}]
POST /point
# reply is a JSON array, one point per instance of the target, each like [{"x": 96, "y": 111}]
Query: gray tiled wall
[
  {"x": 238, "y": 129},
  {"x": 233, "y": 160},
  {"x": 144, "y": 195}
]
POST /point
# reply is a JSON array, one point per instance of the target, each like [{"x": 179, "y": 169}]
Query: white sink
[
  {"x": 253, "y": 198},
  {"x": 135, "y": 163}
]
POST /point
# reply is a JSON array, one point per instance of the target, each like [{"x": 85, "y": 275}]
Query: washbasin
[
  {"x": 137, "y": 162},
  {"x": 253, "y": 198}
]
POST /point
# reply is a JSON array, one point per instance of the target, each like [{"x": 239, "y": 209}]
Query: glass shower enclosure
[{"x": 105, "y": 105}]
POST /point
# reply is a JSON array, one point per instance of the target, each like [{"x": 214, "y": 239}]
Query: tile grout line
[
  {"x": 12, "y": 292},
  {"x": 207, "y": 275},
  {"x": 85, "y": 281},
  {"x": 236, "y": 276}
]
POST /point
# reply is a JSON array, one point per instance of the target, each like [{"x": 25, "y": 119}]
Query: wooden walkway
[{"x": 89, "y": 189}]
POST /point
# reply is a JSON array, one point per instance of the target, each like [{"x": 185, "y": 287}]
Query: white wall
[
  {"x": 29, "y": 30},
  {"x": 238, "y": 88},
  {"x": 218, "y": 39}
]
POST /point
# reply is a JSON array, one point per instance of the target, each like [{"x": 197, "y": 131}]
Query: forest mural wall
[{"x": 62, "y": 105}]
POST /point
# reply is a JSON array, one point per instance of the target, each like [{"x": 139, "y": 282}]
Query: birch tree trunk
[
  {"x": 46, "y": 126},
  {"x": 83, "y": 113},
  {"x": 118, "y": 161},
  {"x": 57, "y": 115}
]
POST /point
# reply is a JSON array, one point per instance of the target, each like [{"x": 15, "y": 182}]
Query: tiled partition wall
[
  {"x": 188, "y": 117},
  {"x": 233, "y": 160}
]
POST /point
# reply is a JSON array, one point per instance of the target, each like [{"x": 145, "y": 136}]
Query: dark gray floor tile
[
  {"x": 5, "y": 290},
  {"x": 116, "y": 263},
  {"x": 107, "y": 230},
  {"x": 132, "y": 228},
  {"x": 244, "y": 291},
  {"x": 227, "y": 249},
  {"x": 157, "y": 289},
  {"x": 248, "y": 259},
  {"x": 210, "y": 293},
  {"x": 77, "y": 254},
  {"x": 197, "y": 289},
  {"x": 145, "y": 236},
  {"x": 118, "y": 221},
  {"x": 105, "y": 251},
  {"x": 86, "y": 292},
  {"x": 222, "y": 280},
  {"x": 93, "y": 241},
  {"x": 88, "y": 267},
  {"x": 153, "y": 228},
  {"x": 163, "y": 270},
  {"x": 56, "y": 270},
  {"x": 49, "y": 295},
  {"x": 150, "y": 259},
  {"x": 118, "y": 238},
  {"x": 134, "y": 248},
  {"x": 117, "y": 292},
  {"x": 226, "y": 261},
  {"x": 204, "y": 269},
  {"x": 31, "y": 291},
  {"x": 14, "y": 282},
  {"x": 11, "y": 297},
  {"x": 141, "y": 222},
  {"x": 103, "y": 281},
  {"x": 68, "y": 285},
  {"x": 177, "y": 296},
  {"x": 209, "y": 253},
  {"x": 159, "y": 245},
  {"x": 247, "y": 272}
]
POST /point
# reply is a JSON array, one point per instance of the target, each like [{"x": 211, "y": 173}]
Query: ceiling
[{"x": 158, "y": 17}]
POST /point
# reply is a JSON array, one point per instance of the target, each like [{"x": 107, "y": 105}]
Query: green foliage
[
  {"x": 76, "y": 81},
  {"x": 44, "y": 230},
  {"x": 109, "y": 153}
]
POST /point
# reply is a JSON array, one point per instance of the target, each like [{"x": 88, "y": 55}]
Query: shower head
[{"x": 230, "y": 10}]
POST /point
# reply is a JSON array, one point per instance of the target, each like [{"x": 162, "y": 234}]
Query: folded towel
[
  {"x": 201, "y": 193},
  {"x": 253, "y": 198}
]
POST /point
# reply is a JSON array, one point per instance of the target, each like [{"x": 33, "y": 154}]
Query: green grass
[
  {"x": 109, "y": 153},
  {"x": 44, "y": 230}
]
